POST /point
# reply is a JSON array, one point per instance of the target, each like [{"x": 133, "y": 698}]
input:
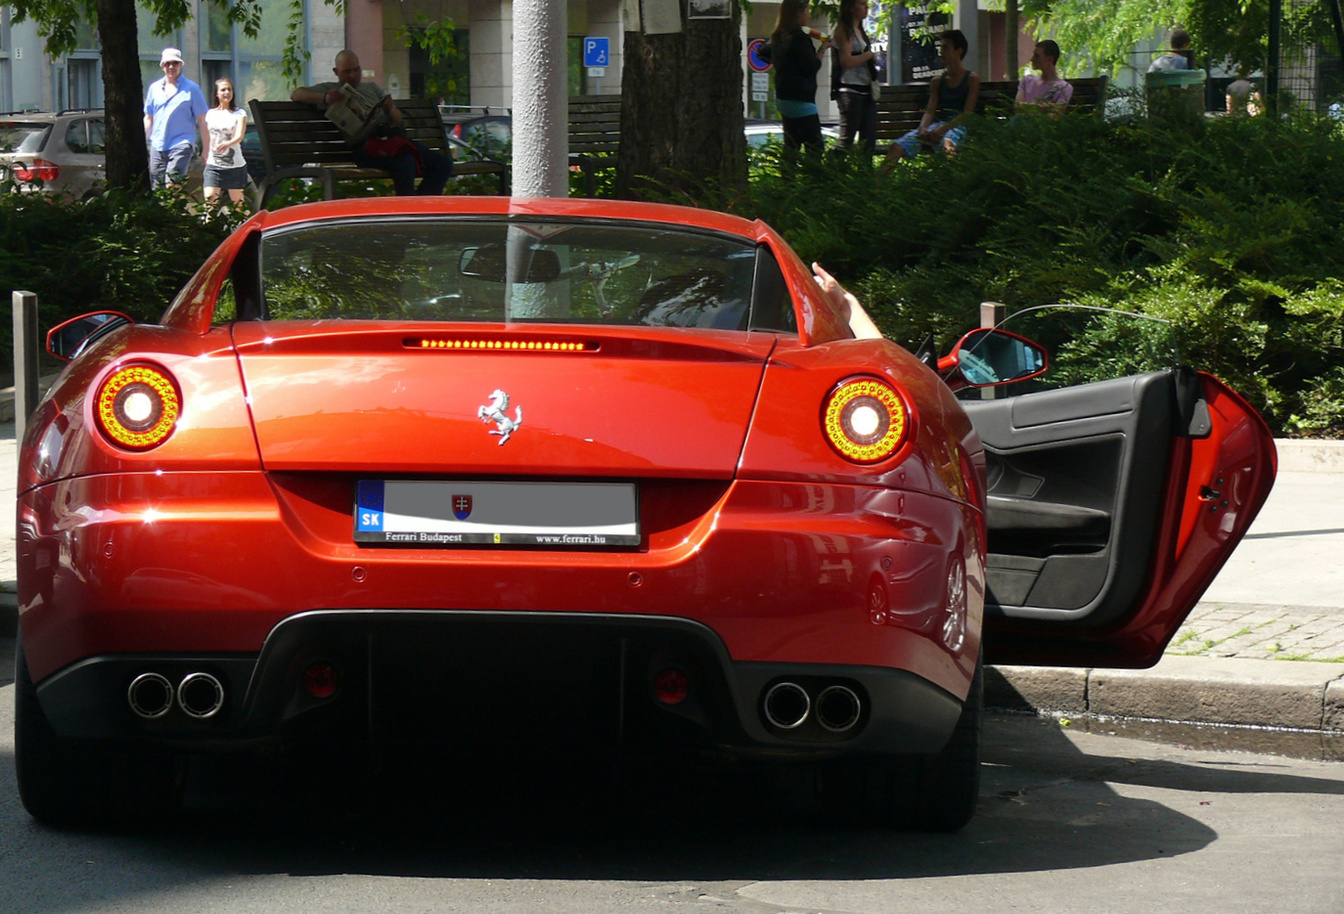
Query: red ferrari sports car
[{"x": 618, "y": 478}]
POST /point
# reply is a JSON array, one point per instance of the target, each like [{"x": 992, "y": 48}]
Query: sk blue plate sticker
[{"x": 369, "y": 505}]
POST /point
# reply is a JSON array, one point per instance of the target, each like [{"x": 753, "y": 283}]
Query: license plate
[{"x": 433, "y": 513}]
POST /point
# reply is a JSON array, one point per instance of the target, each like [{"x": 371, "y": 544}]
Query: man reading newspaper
[{"x": 370, "y": 122}]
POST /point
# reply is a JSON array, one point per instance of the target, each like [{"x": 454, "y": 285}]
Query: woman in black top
[
  {"x": 856, "y": 62},
  {"x": 796, "y": 63}
]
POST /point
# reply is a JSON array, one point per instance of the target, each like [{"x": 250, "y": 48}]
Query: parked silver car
[{"x": 53, "y": 153}]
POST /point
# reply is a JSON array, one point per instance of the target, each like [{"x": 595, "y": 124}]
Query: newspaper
[{"x": 355, "y": 115}]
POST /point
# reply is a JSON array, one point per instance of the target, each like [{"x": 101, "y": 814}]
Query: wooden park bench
[
  {"x": 901, "y": 107},
  {"x": 594, "y": 135},
  {"x": 297, "y": 141}
]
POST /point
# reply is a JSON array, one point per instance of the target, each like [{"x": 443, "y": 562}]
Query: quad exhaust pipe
[
  {"x": 200, "y": 695},
  {"x": 152, "y": 695},
  {"x": 787, "y": 705},
  {"x": 836, "y": 708}
]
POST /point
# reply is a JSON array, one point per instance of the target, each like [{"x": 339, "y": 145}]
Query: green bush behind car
[{"x": 1229, "y": 229}]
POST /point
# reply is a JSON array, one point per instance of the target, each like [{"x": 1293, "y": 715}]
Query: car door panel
[{"x": 1094, "y": 495}]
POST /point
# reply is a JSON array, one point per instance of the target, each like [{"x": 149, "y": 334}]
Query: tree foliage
[{"x": 1100, "y": 35}]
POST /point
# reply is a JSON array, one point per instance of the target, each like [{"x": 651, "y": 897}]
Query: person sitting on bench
[{"x": 377, "y": 140}]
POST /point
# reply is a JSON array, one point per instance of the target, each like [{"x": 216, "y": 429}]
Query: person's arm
[
  {"x": 205, "y": 136},
  {"x": 315, "y": 95},
  {"x": 807, "y": 60},
  {"x": 860, "y": 324},
  {"x": 848, "y": 59},
  {"x": 393, "y": 112},
  {"x": 931, "y": 110},
  {"x": 239, "y": 128}
]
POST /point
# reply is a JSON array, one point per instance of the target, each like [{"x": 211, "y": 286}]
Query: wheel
[
  {"x": 947, "y": 785},
  {"x": 934, "y": 793},
  {"x": 68, "y": 785}
]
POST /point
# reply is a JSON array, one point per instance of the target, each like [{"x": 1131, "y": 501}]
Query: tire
[
  {"x": 947, "y": 785},
  {"x": 931, "y": 793},
  {"x": 66, "y": 785}
]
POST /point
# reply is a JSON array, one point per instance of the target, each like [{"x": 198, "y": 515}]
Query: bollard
[
  {"x": 992, "y": 314},
  {"x": 25, "y": 360}
]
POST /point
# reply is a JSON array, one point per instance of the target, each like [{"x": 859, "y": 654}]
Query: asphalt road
[{"x": 1068, "y": 821}]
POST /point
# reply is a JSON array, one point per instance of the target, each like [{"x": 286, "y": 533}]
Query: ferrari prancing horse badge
[{"x": 497, "y": 412}]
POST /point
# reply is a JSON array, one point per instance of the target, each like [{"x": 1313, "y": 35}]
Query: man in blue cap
[{"x": 175, "y": 110}]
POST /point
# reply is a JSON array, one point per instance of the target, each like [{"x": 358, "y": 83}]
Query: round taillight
[
  {"x": 138, "y": 407},
  {"x": 671, "y": 686},
  {"x": 865, "y": 420}
]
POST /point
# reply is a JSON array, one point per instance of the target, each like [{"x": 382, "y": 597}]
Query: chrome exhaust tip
[
  {"x": 200, "y": 695},
  {"x": 787, "y": 705},
  {"x": 838, "y": 708},
  {"x": 150, "y": 695}
]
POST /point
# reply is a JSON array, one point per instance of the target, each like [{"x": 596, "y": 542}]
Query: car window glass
[
  {"x": 77, "y": 137},
  {"x": 772, "y": 307},
  {"x": 97, "y": 137},
  {"x": 16, "y": 136},
  {"x": 497, "y": 270},
  {"x": 226, "y": 305}
]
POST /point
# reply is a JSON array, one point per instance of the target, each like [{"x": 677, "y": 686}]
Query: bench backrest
[
  {"x": 295, "y": 134},
  {"x": 901, "y": 107},
  {"x": 594, "y": 124}
]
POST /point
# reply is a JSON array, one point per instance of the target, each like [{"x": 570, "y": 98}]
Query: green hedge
[{"x": 120, "y": 251}]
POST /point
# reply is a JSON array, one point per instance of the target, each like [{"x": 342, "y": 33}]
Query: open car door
[{"x": 1111, "y": 507}]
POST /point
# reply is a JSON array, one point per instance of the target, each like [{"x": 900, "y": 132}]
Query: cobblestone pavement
[{"x": 1262, "y": 632}]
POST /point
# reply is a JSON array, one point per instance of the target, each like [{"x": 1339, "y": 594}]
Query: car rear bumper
[
  {"x": 504, "y": 680},
  {"x": 183, "y": 565}
]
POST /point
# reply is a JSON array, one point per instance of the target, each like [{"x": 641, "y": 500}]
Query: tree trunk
[
  {"x": 681, "y": 115},
  {"x": 123, "y": 96}
]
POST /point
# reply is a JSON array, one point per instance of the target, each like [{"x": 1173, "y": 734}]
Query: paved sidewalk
[{"x": 1264, "y": 648}]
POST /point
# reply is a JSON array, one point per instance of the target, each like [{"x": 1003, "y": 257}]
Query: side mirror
[
  {"x": 987, "y": 358},
  {"x": 67, "y": 340},
  {"x": 489, "y": 262}
]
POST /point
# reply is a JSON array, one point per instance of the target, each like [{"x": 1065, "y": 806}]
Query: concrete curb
[
  {"x": 1300, "y": 455},
  {"x": 1302, "y": 695}
]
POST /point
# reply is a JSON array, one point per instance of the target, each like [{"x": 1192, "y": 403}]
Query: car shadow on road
[
  {"x": 552, "y": 821},
  {"x": 1044, "y": 805}
]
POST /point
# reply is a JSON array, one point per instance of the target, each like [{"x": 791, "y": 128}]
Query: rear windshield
[
  {"x": 18, "y": 136},
  {"x": 495, "y": 270}
]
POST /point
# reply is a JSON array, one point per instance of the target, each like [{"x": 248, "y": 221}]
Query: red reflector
[
  {"x": 671, "y": 686},
  {"x": 320, "y": 680}
]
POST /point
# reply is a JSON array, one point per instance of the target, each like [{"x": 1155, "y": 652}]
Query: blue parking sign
[{"x": 596, "y": 52}]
